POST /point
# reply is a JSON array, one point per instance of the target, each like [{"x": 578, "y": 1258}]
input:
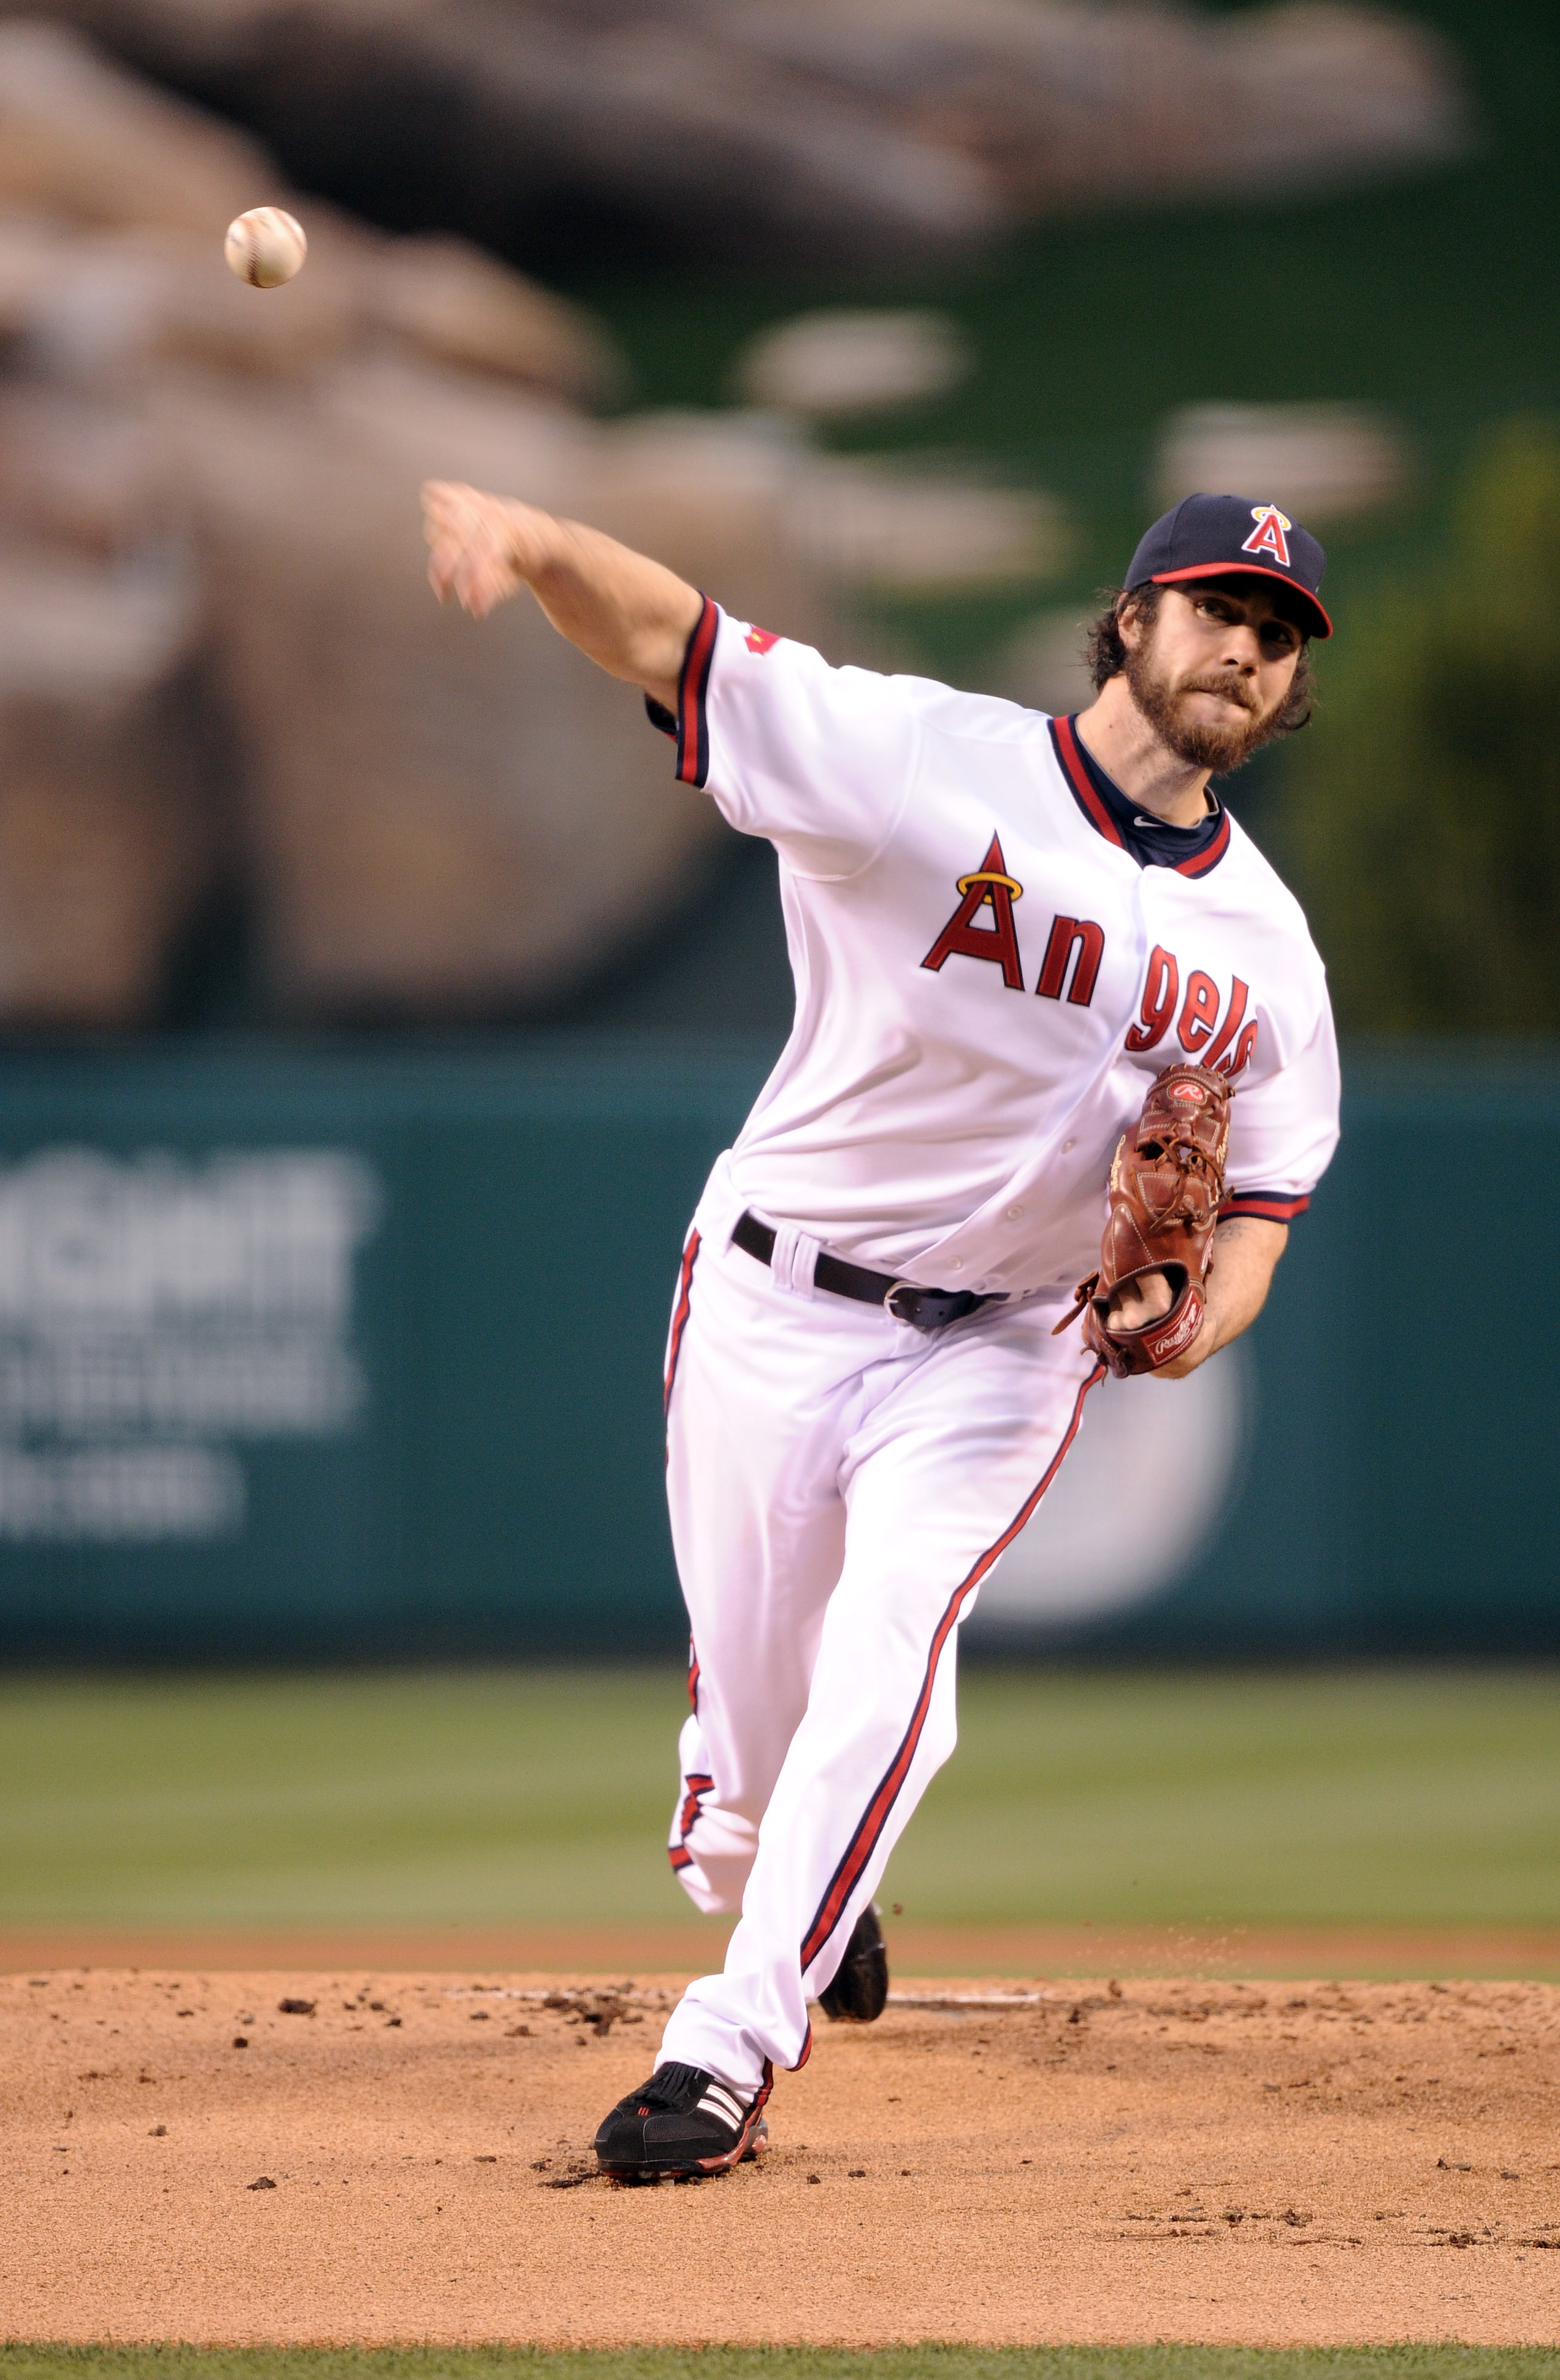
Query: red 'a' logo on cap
[{"x": 1268, "y": 535}]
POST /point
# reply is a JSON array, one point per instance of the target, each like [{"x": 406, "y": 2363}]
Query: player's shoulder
[
  {"x": 968, "y": 718},
  {"x": 939, "y": 708}
]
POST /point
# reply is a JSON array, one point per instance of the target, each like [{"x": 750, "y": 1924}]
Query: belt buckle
[{"x": 895, "y": 1290}]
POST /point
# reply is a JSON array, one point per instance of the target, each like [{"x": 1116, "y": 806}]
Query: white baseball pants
[{"x": 840, "y": 1484}]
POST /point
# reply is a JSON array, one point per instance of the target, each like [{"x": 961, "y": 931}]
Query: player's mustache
[{"x": 1227, "y": 682}]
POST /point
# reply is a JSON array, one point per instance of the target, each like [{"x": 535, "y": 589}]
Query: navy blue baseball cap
[{"x": 1210, "y": 537}]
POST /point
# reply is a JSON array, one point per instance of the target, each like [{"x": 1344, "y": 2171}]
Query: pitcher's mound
[{"x": 234, "y": 2159}]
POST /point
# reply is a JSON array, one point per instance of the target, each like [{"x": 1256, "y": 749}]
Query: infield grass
[
  {"x": 929, "y": 2363},
  {"x": 1427, "y": 1797}
]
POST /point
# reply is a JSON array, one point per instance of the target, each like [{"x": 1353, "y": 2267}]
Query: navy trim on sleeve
[
  {"x": 693, "y": 692},
  {"x": 1271, "y": 1206}
]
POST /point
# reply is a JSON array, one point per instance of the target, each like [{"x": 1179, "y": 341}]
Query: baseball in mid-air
[{"x": 265, "y": 247}]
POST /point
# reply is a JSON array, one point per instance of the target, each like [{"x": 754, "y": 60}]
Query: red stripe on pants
[{"x": 864, "y": 1841}]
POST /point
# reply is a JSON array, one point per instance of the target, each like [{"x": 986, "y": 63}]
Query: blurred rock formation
[
  {"x": 108, "y": 839},
  {"x": 220, "y": 664},
  {"x": 866, "y": 132},
  {"x": 1323, "y": 463},
  {"x": 447, "y": 819},
  {"x": 844, "y": 361},
  {"x": 222, "y": 678}
]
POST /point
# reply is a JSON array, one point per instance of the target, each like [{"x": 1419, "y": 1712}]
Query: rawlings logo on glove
[{"x": 1165, "y": 1185}]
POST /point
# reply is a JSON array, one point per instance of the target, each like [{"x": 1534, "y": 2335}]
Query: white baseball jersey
[{"x": 986, "y": 978}]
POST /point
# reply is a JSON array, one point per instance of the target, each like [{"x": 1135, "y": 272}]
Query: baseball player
[{"x": 1044, "y": 985}]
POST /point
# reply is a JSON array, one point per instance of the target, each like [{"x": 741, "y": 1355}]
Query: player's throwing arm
[{"x": 633, "y": 617}]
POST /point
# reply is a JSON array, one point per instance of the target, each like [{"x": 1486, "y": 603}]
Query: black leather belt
[{"x": 925, "y": 1309}]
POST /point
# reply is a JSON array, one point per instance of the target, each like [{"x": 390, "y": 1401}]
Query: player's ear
[{"x": 1129, "y": 623}]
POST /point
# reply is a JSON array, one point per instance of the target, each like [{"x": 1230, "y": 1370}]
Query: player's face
[{"x": 1212, "y": 671}]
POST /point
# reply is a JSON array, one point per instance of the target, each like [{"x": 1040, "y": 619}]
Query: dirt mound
[{"x": 346, "y": 2158}]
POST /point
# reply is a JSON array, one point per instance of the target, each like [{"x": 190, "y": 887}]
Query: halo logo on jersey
[
  {"x": 987, "y": 884},
  {"x": 759, "y": 641},
  {"x": 1268, "y": 537}
]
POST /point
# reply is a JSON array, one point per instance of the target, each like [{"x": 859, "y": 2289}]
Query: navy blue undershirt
[{"x": 1153, "y": 842}]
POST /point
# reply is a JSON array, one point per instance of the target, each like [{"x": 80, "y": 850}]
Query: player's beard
[{"x": 1200, "y": 743}]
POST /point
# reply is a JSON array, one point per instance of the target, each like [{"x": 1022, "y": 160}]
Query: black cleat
[
  {"x": 860, "y": 1989},
  {"x": 683, "y": 2120}
]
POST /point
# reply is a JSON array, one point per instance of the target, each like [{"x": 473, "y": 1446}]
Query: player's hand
[
  {"x": 1140, "y": 1302},
  {"x": 482, "y": 549},
  {"x": 1137, "y": 1302}
]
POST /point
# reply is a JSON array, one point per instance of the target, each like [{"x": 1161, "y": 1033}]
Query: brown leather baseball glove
[{"x": 1165, "y": 1185}]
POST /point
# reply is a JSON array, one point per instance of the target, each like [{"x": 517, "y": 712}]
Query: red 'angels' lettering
[
  {"x": 1200, "y": 1015},
  {"x": 1198, "y": 1027},
  {"x": 1230, "y": 1028},
  {"x": 1159, "y": 992},
  {"x": 1070, "y": 934},
  {"x": 759, "y": 641},
  {"x": 989, "y": 885},
  {"x": 1268, "y": 535}
]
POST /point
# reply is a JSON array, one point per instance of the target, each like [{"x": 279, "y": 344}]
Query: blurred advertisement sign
[
  {"x": 153, "y": 1312},
  {"x": 354, "y": 1353}
]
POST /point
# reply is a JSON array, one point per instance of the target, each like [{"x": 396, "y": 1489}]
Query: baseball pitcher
[{"x": 1061, "y": 1077}]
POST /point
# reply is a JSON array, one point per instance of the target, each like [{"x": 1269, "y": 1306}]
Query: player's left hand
[
  {"x": 1246, "y": 1250},
  {"x": 1140, "y": 1301},
  {"x": 1143, "y": 1301},
  {"x": 1144, "y": 1308}
]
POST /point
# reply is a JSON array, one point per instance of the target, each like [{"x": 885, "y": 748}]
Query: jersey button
[
  {"x": 957, "y": 1266},
  {"x": 1066, "y": 1145},
  {"x": 1013, "y": 1214}
]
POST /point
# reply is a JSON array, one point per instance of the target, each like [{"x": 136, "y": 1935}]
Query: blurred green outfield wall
[{"x": 357, "y": 1354}]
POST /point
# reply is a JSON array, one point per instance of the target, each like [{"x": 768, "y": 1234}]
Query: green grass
[
  {"x": 1372, "y": 1796},
  {"x": 476, "y": 1797},
  {"x": 541, "y": 1797},
  {"x": 931, "y": 2363}
]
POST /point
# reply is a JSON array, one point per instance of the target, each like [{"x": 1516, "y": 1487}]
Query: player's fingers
[
  {"x": 455, "y": 548},
  {"x": 443, "y": 562},
  {"x": 468, "y": 554},
  {"x": 490, "y": 589},
  {"x": 1141, "y": 1301},
  {"x": 486, "y": 562},
  {"x": 438, "y": 509},
  {"x": 478, "y": 587},
  {"x": 453, "y": 517},
  {"x": 462, "y": 579},
  {"x": 470, "y": 563},
  {"x": 445, "y": 496}
]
